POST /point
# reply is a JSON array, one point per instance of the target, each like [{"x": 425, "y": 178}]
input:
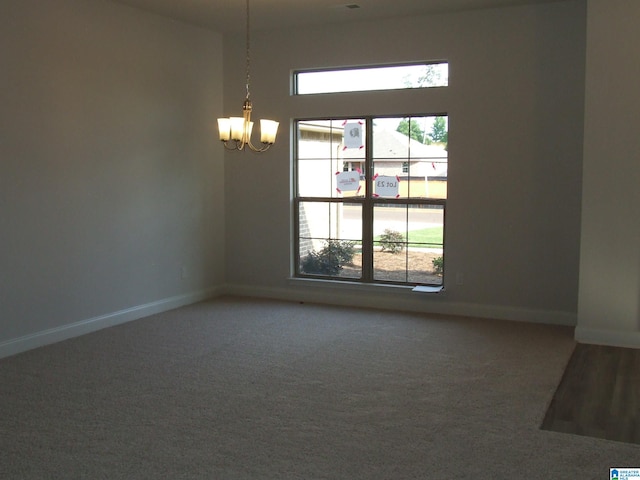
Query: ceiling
[{"x": 229, "y": 15}]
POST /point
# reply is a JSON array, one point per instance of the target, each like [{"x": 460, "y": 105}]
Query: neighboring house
[{"x": 423, "y": 167}]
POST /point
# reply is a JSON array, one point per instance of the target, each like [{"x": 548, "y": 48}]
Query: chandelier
[{"x": 235, "y": 132}]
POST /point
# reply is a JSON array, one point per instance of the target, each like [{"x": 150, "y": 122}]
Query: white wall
[
  {"x": 515, "y": 105},
  {"x": 609, "y": 298},
  {"x": 111, "y": 180},
  {"x": 108, "y": 167}
]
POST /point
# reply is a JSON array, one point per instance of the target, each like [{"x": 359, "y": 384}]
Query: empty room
[{"x": 426, "y": 265}]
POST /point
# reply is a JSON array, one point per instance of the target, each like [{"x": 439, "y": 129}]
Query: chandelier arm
[
  {"x": 238, "y": 145},
  {"x": 265, "y": 146}
]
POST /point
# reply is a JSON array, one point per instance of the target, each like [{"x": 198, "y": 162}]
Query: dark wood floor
[{"x": 599, "y": 395}]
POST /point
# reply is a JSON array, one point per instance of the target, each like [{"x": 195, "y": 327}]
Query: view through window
[
  {"x": 370, "y": 198},
  {"x": 393, "y": 77}
]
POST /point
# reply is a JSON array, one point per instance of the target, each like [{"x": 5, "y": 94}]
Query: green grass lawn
[{"x": 433, "y": 236}]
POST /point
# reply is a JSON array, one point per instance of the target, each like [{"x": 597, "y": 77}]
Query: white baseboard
[
  {"x": 613, "y": 338},
  {"x": 64, "y": 332},
  {"x": 400, "y": 299},
  {"x": 385, "y": 297}
]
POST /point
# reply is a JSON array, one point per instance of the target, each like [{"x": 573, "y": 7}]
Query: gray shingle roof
[{"x": 395, "y": 146}]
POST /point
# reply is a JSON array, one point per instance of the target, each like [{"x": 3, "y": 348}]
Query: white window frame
[{"x": 368, "y": 203}]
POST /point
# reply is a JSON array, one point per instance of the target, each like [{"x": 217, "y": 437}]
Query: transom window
[
  {"x": 370, "y": 197},
  {"x": 359, "y": 79}
]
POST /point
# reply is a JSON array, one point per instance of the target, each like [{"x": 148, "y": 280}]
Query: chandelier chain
[{"x": 248, "y": 40}]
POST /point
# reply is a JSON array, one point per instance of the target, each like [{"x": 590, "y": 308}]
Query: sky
[
  {"x": 374, "y": 78},
  {"x": 367, "y": 79}
]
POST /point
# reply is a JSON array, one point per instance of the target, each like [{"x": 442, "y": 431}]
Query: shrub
[
  {"x": 320, "y": 264},
  {"x": 330, "y": 259},
  {"x": 342, "y": 250},
  {"x": 392, "y": 241},
  {"x": 438, "y": 265}
]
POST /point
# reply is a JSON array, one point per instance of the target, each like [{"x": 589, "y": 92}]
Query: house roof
[{"x": 395, "y": 146}]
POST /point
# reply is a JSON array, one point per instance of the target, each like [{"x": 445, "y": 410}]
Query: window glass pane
[
  {"x": 408, "y": 243},
  {"x": 388, "y": 142},
  {"x": 395, "y": 77},
  {"x": 327, "y": 151},
  {"x": 390, "y": 241},
  {"x": 390, "y": 267},
  {"x": 414, "y": 150},
  {"x": 319, "y": 221},
  {"x": 330, "y": 237},
  {"x": 436, "y": 181},
  {"x": 425, "y": 244},
  {"x": 316, "y": 139},
  {"x": 316, "y": 178},
  {"x": 350, "y": 181}
]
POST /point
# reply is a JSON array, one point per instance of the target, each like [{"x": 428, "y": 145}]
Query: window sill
[
  {"x": 367, "y": 287},
  {"x": 428, "y": 289}
]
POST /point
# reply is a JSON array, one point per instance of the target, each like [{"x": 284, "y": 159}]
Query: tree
[
  {"x": 411, "y": 129},
  {"x": 439, "y": 132},
  {"x": 431, "y": 76}
]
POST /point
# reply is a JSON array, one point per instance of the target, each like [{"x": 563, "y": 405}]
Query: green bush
[
  {"x": 330, "y": 259},
  {"x": 392, "y": 241},
  {"x": 438, "y": 265},
  {"x": 342, "y": 250},
  {"x": 319, "y": 264}
]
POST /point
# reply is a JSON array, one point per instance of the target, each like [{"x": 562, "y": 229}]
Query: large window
[{"x": 370, "y": 197}]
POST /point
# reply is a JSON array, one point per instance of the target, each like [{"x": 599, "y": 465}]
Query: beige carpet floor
[{"x": 241, "y": 388}]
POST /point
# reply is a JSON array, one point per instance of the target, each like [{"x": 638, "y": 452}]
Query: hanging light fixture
[{"x": 235, "y": 132}]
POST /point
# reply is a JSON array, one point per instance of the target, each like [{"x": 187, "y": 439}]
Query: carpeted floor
[{"x": 256, "y": 389}]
